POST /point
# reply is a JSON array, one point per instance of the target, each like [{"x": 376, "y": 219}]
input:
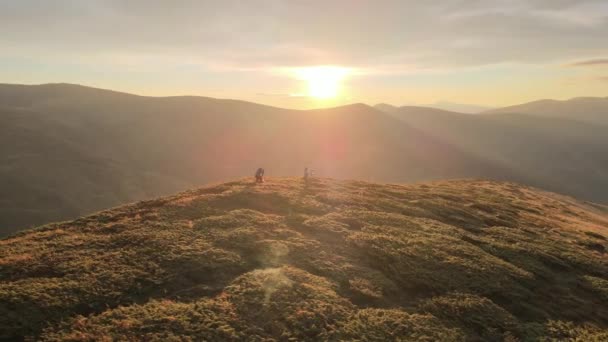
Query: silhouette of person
[{"x": 259, "y": 175}]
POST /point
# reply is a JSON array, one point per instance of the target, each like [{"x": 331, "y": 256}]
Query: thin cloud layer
[
  {"x": 591, "y": 62},
  {"x": 257, "y": 34},
  {"x": 492, "y": 52}
]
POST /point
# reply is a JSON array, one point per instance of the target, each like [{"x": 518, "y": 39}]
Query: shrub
[
  {"x": 478, "y": 316},
  {"x": 395, "y": 325}
]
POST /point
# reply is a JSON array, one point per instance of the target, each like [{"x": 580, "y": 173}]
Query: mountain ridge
[
  {"x": 446, "y": 106},
  {"x": 163, "y": 145},
  {"x": 504, "y": 109},
  {"x": 56, "y": 87},
  {"x": 101, "y": 148},
  {"x": 587, "y": 109}
]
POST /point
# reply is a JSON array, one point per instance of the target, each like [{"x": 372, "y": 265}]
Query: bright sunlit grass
[{"x": 323, "y": 81}]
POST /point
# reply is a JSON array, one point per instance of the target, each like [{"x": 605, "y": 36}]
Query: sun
[{"x": 323, "y": 81}]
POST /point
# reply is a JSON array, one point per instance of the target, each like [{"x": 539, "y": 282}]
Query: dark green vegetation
[
  {"x": 68, "y": 150},
  {"x": 327, "y": 260}
]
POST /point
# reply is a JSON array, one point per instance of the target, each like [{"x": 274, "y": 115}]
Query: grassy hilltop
[{"x": 327, "y": 260}]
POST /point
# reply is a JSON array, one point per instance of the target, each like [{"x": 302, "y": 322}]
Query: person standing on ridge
[
  {"x": 306, "y": 173},
  {"x": 259, "y": 175}
]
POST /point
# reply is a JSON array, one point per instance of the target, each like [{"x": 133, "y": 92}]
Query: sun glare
[{"x": 323, "y": 81}]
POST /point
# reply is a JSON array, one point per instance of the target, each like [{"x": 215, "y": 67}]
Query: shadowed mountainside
[
  {"x": 385, "y": 107},
  {"x": 68, "y": 150},
  {"x": 442, "y": 105},
  {"x": 586, "y": 109},
  {"x": 559, "y": 154},
  {"x": 459, "y": 107},
  {"x": 324, "y": 260}
]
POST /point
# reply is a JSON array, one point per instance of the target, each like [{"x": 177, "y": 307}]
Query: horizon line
[{"x": 373, "y": 106}]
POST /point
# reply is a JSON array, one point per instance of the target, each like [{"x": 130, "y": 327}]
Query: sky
[{"x": 484, "y": 52}]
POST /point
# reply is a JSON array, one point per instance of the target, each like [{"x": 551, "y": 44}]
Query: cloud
[
  {"x": 261, "y": 35},
  {"x": 603, "y": 78},
  {"x": 591, "y": 62}
]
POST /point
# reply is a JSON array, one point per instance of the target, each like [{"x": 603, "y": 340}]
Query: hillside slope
[
  {"x": 585, "y": 109},
  {"x": 559, "y": 154},
  {"x": 324, "y": 260},
  {"x": 68, "y": 150}
]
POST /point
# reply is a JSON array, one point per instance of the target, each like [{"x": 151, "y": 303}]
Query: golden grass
[{"x": 323, "y": 260}]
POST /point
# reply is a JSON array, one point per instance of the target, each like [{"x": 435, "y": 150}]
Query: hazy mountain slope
[
  {"x": 50, "y": 171},
  {"x": 562, "y": 155},
  {"x": 327, "y": 260},
  {"x": 385, "y": 107},
  {"x": 74, "y": 149},
  {"x": 423, "y": 111},
  {"x": 459, "y": 107},
  {"x": 588, "y": 109},
  {"x": 445, "y": 106}
]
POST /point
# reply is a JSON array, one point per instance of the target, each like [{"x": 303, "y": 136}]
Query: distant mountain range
[
  {"x": 459, "y": 107},
  {"x": 588, "y": 109},
  {"x": 67, "y": 150},
  {"x": 444, "y": 105}
]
